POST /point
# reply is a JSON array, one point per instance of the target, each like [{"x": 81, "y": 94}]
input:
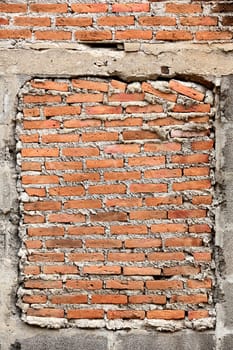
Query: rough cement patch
[{"x": 152, "y": 341}]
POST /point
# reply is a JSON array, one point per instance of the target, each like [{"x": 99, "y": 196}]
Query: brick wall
[
  {"x": 116, "y": 185},
  {"x": 148, "y": 21}
]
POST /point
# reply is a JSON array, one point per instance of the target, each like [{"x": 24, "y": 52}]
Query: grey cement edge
[{"x": 18, "y": 66}]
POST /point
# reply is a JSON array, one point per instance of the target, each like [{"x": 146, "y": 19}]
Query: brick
[
  {"x": 80, "y": 177},
  {"x": 191, "y": 185},
  {"x": 85, "y": 314},
  {"x": 102, "y": 270},
  {"x": 145, "y": 109},
  {"x": 164, "y": 228},
  {"x": 83, "y": 204},
  {"x": 40, "y": 152},
  {"x": 107, "y": 189},
  {"x": 43, "y": 284},
  {"x": 114, "y": 21},
  {"x": 42, "y": 124},
  {"x": 32, "y": 21},
  {"x": 15, "y": 34},
  {"x": 122, "y": 149},
  {"x": 124, "y": 122},
  {"x": 198, "y": 284},
  {"x": 103, "y": 243},
  {"x": 168, "y": 121},
  {"x": 190, "y": 299},
  {"x": 141, "y": 271},
  {"x": 202, "y": 256},
  {"x": 108, "y": 217},
  {"x": 35, "y": 299},
  {"x": 196, "y": 200},
  {"x": 69, "y": 299},
  {"x": 89, "y": 8},
  {"x": 31, "y": 112},
  {"x": 74, "y": 123},
  {"x": 121, "y": 176},
  {"x": 98, "y": 110},
  {"x": 162, "y": 147},
  {"x": 198, "y": 108},
  {"x": 207, "y": 35},
  {"x": 60, "y": 269},
  {"x": 47, "y": 205},
  {"x": 100, "y": 136},
  {"x": 183, "y": 242},
  {"x": 3, "y": 21},
  {"x": 90, "y": 85},
  {"x": 63, "y": 165},
  {"x": 108, "y": 299},
  {"x": 174, "y": 35},
  {"x": 227, "y": 21},
  {"x": 223, "y": 7},
  {"x": 56, "y": 8},
  {"x": 116, "y": 84},
  {"x": 66, "y": 218},
  {"x": 31, "y": 166},
  {"x": 57, "y": 138},
  {"x": 149, "y": 161},
  {"x": 29, "y": 138},
  {"x": 106, "y": 163},
  {"x": 31, "y": 270},
  {"x": 166, "y": 314},
  {"x": 126, "y": 257},
  {"x": 93, "y": 35},
  {"x": 47, "y": 312},
  {"x": 139, "y": 135},
  {"x": 133, "y": 34},
  {"x": 162, "y": 173},
  {"x": 164, "y": 285},
  {"x": 80, "y": 98},
  {"x": 156, "y": 201},
  {"x": 143, "y": 243},
  {"x": 129, "y": 230},
  {"x": 183, "y": 8},
  {"x": 144, "y": 188},
  {"x": 131, "y": 7},
  {"x": 199, "y": 21},
  {"x": 80, "y": 152},
  {"x": 63, "y": 243},
  {"x": 41, "y": 99},
  {"x": 148, "y": 215},
  {"x": 126, "y": 97},
  {"x": 183, "y": 214},
  {"x": 125, "y": 314},
  {"x": 45, "y": 231},
  {"x": 134, "y": 202},
  {"x": 123, "y": 284},
  {"x": 67, "y": 191},
  {"x": 61, "y": 110},
  {"x": 84, "y": 284},
  {"x": 12, "y": 7},
  {"x": 189, "y": 159},
  {"x": 157, "y": 21},
  {"x": 82, "y": 230},
  {"x": 86, "y": 257},
  {"x": 40, "y": 179},
  {"x": 147, "y": 299},
  {"x": 181, "y": 270},
  {"x": 201, "y": 228},
  {"x": 74, "y": 22},
  {"x": 53, "y": 35},
  {"x": 194, "y": 171},
  {"x": 38, "y": 192},
  {"x": 196, "y": 314},
  {"x": 186, "y": 90},
  {"x": 166, "y": 256},
  {"x": 202, "y": 145},
  {"x": 34, "y": 257},
  {"x": 146, "y": 87},
  {"x": 48, "y": 84},
  {"x": 33, "y": 219}
]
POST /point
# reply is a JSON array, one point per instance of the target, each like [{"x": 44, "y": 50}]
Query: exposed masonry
[
  {"x": 116, "y": 201},
  {"x": 101, "y": 21}
]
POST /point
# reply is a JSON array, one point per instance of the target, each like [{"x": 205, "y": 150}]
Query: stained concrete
[{"x": 210, "y": 64}]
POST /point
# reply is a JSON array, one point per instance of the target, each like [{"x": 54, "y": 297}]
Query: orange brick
[
  {"x": 84, "y": 284},
  {"x": 92, "y": 110},
  {"x": 80, "y": 152},
  {"x": 108, "y": 217},
  {"x": 186, "y": 90},
  {"x": 143, "y": 243},
  {"x": 162, "y": 147},
  {"x": 133, "y": 34},
  {"x": 168, "y": 121},
  {"x": 30, "y": 166},
  {"x": 109, "y": 299},
  {"x": 129, "y": 230},
  {"x": 103, "y": 243},
  {"x": 197, "y": 284},
  {"x": 183, "y": 242},
  {"x": 125, "y": 314},
  {"x": 69, "y": 299},
  {"x": 35, "y": 299},
  {"x": 47, "y": 312},
  {"x": 53, "y": 35},
  {"x": 47, "y": 205},
  {"x": 4, "y": 21},
  {"x": 126, "y": 257},
  {"x": 145, "y": 109},
  {"x": 162, "y": 173},
  {"x": 83, "y": 204},
  {"x": 192, "y": 158},
  {"x": 155, "y": 201},
  {"x": 191, "y": 185},
  {"x": 40, "y": 179},
  {"x": 66, "y": 218},
  {"x": 183, "y": 214},
  {"x": 63, "y": 243},
  {"x": 174, "y": 35},
  {"x": 157, "y": 21},
  {"x": 89, "y": 8},
  {"x": 15, "y": 34},
  {"x": 74, "y": 22},
  {"x": 82, "y": 230},
  {"x": 57, "y": 138},
  {"x": 100, "y": 136},
  {"x": 33, "y": 219},
  {"x": 41, "y": 99},
  {"x": 93, "y": 35},
  {"x": 190, "y": 299},
  {"x": 196, "y": 314},
  {"x": 202, "y": 256},
  {"x": 12, "y": 8},
  {"x": 102, "y": 270},
  {"x": 116, "y": 84},
  {"x": 122, "y": 149},
  {"x": 202, "y": 200},
  {"x": 148, "y": 215},
  {"x": 144, "y": 188},
  {"x": 74, "y": 123},
  {"x": 208, "y": 35},
  {"x": 121, "y": 176},
  {"x": 147, "y": 299},
  {"x": 32, "y": 21},
  {"x": 31, "y": 270},
  {"x": 193, "y": 171},
  {"x": 67, "y": 191},
  {"x": 79, "y": 98},
  {"x": 34, "y": 257},
  {"x": 167, "y": 228},
  {"x": 201, "y": 228},
  {"x": 80, "y": 177},
  {"x": 40, "y": 152},
  {"x": 56, "y": 8},
  {"x": 61, "y": 110},
  {"x": 163, "y": 285},
  {"x": 107, "y": 189},
  {"x": 43, "y": 284},
  {"x": 31, "y": 112},
  {"x": 181, "y": 270},
  {"x": 45, "y": 231},
  {"x": 38, "y": 192},
  {"x": 86, "y": 257},
  {"x": 141, "y": 271},
  {"x": 60, "y": 269},
  {"x": 166, "y": 314},
  {"x": 114, "y": 21},
  {"x": 106, "y": 163},
  {"x": 139, "y": 135},
  {"x": 132, "y": 202},
  {"x": 183, "y": 8},
  {"x": 85, "y": 314},
  {"x": 165, "y": 256},
  {"x": 90, "y": 85},
  {"x": 49, "y": 84},
  {"x": 41, "y": 124},
  {"x": 202, "y": 145},
  {"x": 131, "y": 7},
  {"x": 199, "y": 21},
  {"x": 198, "y": 108},
  {"x": 123, "y": 284},
  {"x": 146, "y": 87},
  {"x": 63, "y": 165}
]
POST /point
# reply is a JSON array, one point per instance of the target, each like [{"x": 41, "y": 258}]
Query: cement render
[{"x": 212, "y": 64}]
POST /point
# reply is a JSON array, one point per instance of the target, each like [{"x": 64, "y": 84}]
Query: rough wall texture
[
  {"x": 131, "y": 46},
  {"x": 115, "y": 201}
]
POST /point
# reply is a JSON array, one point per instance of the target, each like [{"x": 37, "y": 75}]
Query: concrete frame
[{"x": 209, "y": 64}]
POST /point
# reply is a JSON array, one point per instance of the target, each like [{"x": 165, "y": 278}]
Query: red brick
[
  {"x": 108, "y": 217},
  {"x": 162, "y": 147},
  {"x": 192, "y": 158},
  {"x": 56, "y": 8},
  {"x": 84, "y": 284},
  {"x": 162, "y": 173},
  {"x": 33, "y": 219},
  {"x": 85, "y": 314},
  {"x": 105, "y": 163},
  {"x": 31, "y": 112},
  {"x": 124, "y": 122},
  {"x": 89, "y": 8},
  {"x": 183, "y": 242},
  {"x": 69, "y": 299},
  {"x": 184, "y": 214},
  {"x": 15, "y": 34},
  {"x": 74, "y": 22},
  {"x": 202, "y": 256},
  {"x": 146, "y": 87},
  {"x": 41, "y": 124},
  {"x": 202, "y": 200},
  {"x": 80, "y": 152},
  {"x": 198, "y": 108},
  {"x": 186, "y": 90},
  {"x": 66, "y": 218},
  {"x": 125, "y": 314},
  {"x": 47, "y": 312},
  {"x": 122, "y": 149},
  {"x": 63, "y": 243},
  {"x": 113, "y": 21},
  {"x": 166, "y": 314},
  {"x": 32, "y": 21},
  {"x": 157, "y": 21},
  {"x": 167, "y": 121},
  {"x": 83, "y": 204},
  {"x": 129, "y": 230},
  {"x": 201, "y": 228},
  {"x": 148, "y": 215},
  {"x": 166, "y": 228},
  {"x": 57, "y": 138},
  {"x": 164, "y": 285},
  {"x": 82, "y": 230},
  {"x": 103, "y": 243},
  {"x": 46, "y": 231},
  {"x": 147, "y": 299},
  {"x": 139, "y": 135},
  {"x": 86, "y": 257},
  {"x": 46, "y": 257},
  {"x": 183, "y": 8},
  {"x": 126, "y": 257},
  {"x": 109, "y": 299},
  {"x": 61, "y": 110},
  {"x": 102, "y": 270},
  {"x": 31, "y": 166},
  {"x": 190, "y": 299},
  {"x": 131, "y": 7},
  {"x": 93, "y": 35},
  {"x": 4, "y": 21},
  {"x": 191, "y": 185},
  {"x": 199, "y": 21},
  {"x": 60, "y": 269},
  {"x": 42, "y": 284},
  {"x": 97, "y": 110},
  {"x": 200, "y": 171},
  {"x": 123, "y": 284},
  {"x": 79, "y": 98},
  {"x": 131, "y": 202},
  {"x": 145, "y": 109},
  {"x": 166, "y": 256},
  {"x": 35, "y": 299},
  {"x": 209, "y": 35},
  {"x": 67, "y": 191},
  {"x": 41, "y": 99},
  {"x": 150, "y": 161},
  {"x": 12, "y": 7},
  {"x": 141, "y": 271},
  {"x": 47, "y": 205},
  {"x": 121, "y": 176},
  {"x": 196, "y": 314},
  {"x": 31, "y": 270},
  {"x": 100, "y": 136},
  {"x": 107, "y": 189},
  {"x": 53, "y": 35},
  {"x": 174, "y": 35},
  {"x": 143, "y": 243},
  {"x": 197, "y": 284},
  {"x": 74, "y": 123},
  {"x": 80, "y": 177},
  {"x": 202, "y": 145},
  {"x": 155, "y": 201},
  {"x": 90, "y": 84},
  {"x": 40, "y": 179},
  {"x": 144, "y": 188},
  {"x": 40, "y": 152},
  {"x": 49, "y": 84},
  {"x": 133, "y": 34},
  {"x": 181, "y": 270}
]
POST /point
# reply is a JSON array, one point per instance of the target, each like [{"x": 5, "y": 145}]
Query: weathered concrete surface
[{"x": 209, "y": 63}]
